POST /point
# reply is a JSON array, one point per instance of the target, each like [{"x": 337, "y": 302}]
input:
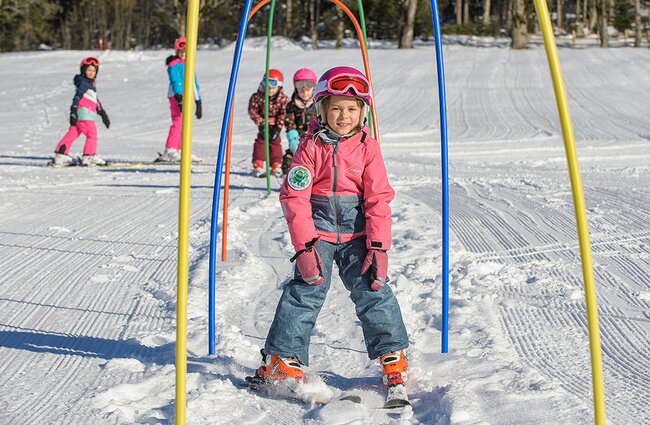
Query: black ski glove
[
  {"x": 274, "y": 132},
  {"x": 105, "y": 120},
  {"x": 199, "y": 110},
  {"x": 179, "y": 99},
  {"x": 73, "y": 115}
]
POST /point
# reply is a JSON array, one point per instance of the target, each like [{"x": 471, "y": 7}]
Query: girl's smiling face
[
  {"x": 343, "y": 114},
  {"x": 91, "y": 72}
]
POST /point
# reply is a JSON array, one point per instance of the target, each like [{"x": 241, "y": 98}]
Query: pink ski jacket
[{"x": 337, "y": 191}]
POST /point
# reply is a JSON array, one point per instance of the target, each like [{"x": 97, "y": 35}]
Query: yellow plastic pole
[
  {"x": 581, "y": 216},
  {"x": 192, "y": 26}
]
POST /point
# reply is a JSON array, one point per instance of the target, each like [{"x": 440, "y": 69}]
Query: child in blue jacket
[{"x": 176, "y": 73}]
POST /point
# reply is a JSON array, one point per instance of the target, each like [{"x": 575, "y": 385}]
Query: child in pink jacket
[
  {"x": 336, "y": 202},
  {"x": 85, "y": 108},
  {"x": 176, "y": 73}
]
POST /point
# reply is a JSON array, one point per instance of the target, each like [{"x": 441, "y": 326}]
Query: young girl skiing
[
  {"x": 301, "y": 109},
  {"x": 277, "y": 111},
  {"x": 335, "y": 200},
  {"x": 176, "y": 74},
  {"x": 84, "y": 109}
]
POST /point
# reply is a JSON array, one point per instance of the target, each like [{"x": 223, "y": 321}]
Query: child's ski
[
  {"x": 162, "y": 161},
  {"x": 293, "y": 390},
  {"x": 109, "y": 164},
  {"x": 396, "y": 397}
]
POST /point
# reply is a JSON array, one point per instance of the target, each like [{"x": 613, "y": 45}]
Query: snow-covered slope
[{"x": 87, "y": 293}]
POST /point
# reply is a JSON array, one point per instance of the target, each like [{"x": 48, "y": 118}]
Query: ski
[
  {"x": 109, "y": 164},
  {"x": 178, "y": 163},
  {"x": 160, "y": 160},
  {"x": 293, "y": 390},
  {"x": 396, "y": 397},
  {"x": 121, "y": 165}
]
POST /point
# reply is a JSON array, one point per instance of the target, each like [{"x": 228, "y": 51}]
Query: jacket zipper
[{"x": 335, "y": 164}]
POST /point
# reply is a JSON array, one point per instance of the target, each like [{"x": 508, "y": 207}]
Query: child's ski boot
[
  {"x": 61, "y": 160},
  {"x": 395, "y": 367},
  {"x": 170, "y": 156},
  {"x": 276, "y": 169},
  {"x": 275, "y": 368},
  {"x": 259, "y": 168},
  {"x": 92, "y": 160}
]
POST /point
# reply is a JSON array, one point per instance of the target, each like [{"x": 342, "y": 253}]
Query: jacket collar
[{"x": 327, "y": 136}]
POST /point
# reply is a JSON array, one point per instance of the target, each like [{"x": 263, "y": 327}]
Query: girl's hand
[
  {"x": 73, "y": 115},
  {"x": 309, "y": 264},
  {"x": 376, "y": 263},
  {"x": 105, "y": 120}
]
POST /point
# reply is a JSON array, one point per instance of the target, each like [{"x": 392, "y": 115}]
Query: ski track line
[
  {"x": 84, "y": 258},
  {"x": 637, "y": 274},
  {"x": 623, "y": 357},
  {"x": 471, "y": 217},
  {"x": 532, "y": 344}
]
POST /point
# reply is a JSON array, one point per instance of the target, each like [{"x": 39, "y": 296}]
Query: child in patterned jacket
[
  {"x": 277, "y": 112},
  {"x": 85, "y": 107},
  {"x": 301, "y": 109}
]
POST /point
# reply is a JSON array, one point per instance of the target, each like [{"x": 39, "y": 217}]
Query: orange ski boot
[
  {"x": 279, "y": 369},
  {"x": 394, "y": 367}
]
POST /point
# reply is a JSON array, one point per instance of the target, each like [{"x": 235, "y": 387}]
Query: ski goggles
[
  {"x": 91, "y": 61},
  {"x": 304, "y": 85},
  {"x": 341, "y": 84},
  {"x": 272, "y": 82},
  {"x": 181, "y": 45}
]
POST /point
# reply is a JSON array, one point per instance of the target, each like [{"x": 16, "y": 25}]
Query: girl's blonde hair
[{"x": 324, "y": 105}]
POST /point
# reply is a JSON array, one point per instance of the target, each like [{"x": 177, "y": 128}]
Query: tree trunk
[
  {"x": 314, "y": 16},
  {"x": 180, "y": 21},
  {"x": 459, "y": 12},
  {"x": 519, "y": 25},
  {"x": 560, "y": 14},
  {"x": 486, "y": 11},
  {"x": 340, "y": 27},
  {"x": 603, "y": 9},
  {"x": 508, "y": 6},
  {"x": 406, "y": 41},
  {"x": 466, "y": 12},
  {"x": 593, "y": 14},
  {"x": 288, "y": 20},
  {"x": 637, "y": 23},
  {"x": 577, "y": 11}
]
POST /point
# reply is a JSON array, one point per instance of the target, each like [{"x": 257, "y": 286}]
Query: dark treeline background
[{"x": 128, "y": 24}]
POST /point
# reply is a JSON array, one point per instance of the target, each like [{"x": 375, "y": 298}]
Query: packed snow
[{"x": 89, "y": 256}]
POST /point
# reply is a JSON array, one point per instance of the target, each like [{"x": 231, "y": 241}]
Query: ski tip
[
  {"x": 396, "y": 403},
  {"x": 352, "y": 397},
  {"x": 254, "y": 380}
]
